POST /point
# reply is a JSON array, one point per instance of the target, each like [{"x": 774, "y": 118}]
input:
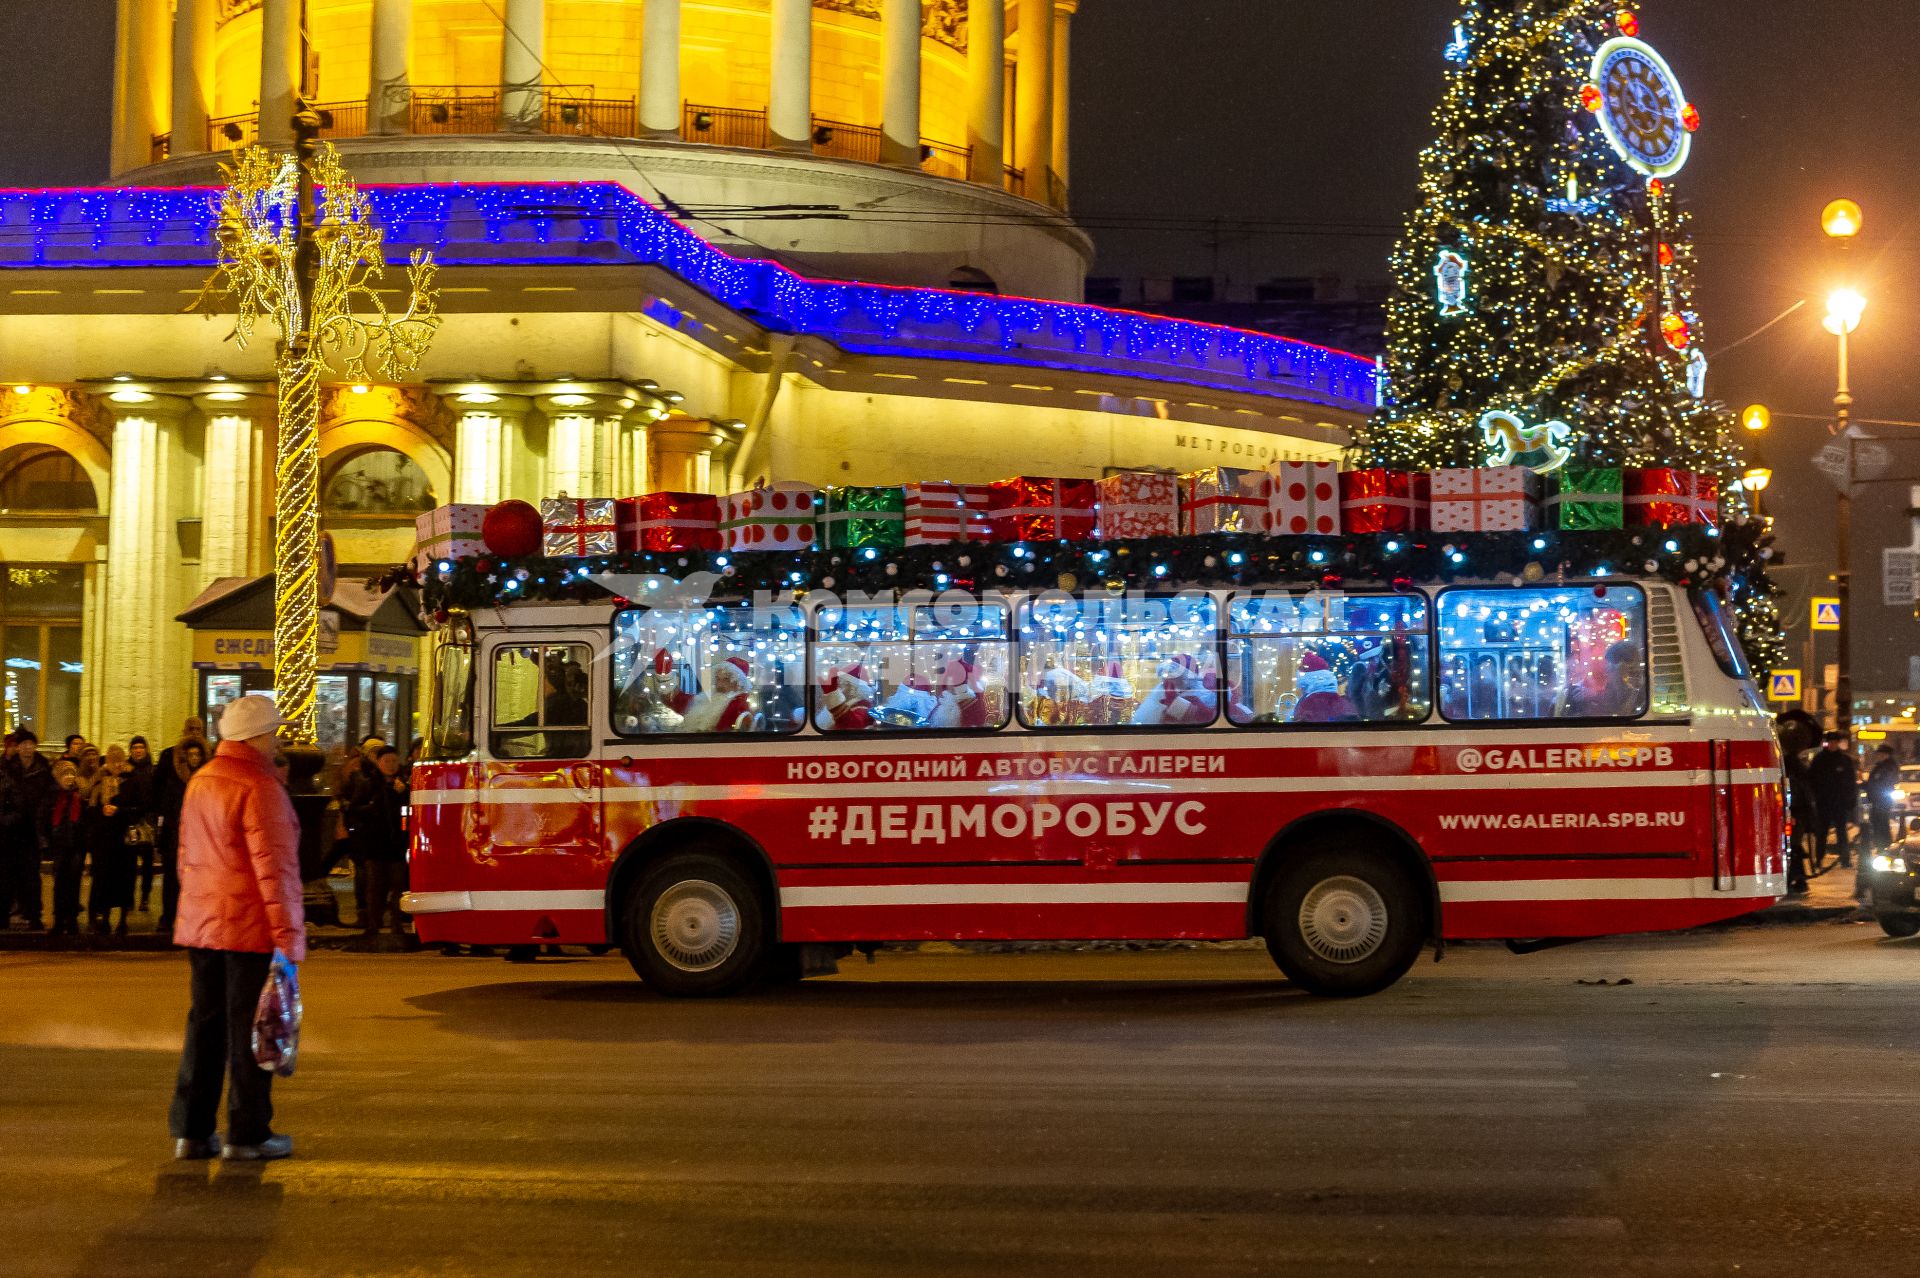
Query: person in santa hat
[
  {"x": 728, "y": 704},
  {"x": 1111, "y": 699},
  {"x": 1184, "y": 698},
  {"x": 965, "y": 700},
  {"x": 1320, "y": 697},
  {"x": 911, "y": 705},
  {"x": 846, "y": 701}
]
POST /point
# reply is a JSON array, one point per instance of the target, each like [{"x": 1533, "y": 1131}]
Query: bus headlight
[{"x": 1889, "y": 864}]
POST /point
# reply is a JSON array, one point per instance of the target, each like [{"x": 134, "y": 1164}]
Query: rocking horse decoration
[{"x": 1542, "y": 449}]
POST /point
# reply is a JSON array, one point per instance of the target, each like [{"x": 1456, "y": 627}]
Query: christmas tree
[{"x": 1544, "y": 284}]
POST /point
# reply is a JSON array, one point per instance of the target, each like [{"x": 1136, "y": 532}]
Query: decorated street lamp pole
[{"x": 298, "y": 245}]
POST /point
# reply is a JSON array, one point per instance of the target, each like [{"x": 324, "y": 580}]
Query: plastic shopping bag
[{"x": 276, "y": 1021}]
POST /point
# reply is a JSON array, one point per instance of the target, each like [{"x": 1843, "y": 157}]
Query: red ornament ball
[
  {"x": 1690, "y": 117},
  {"x": 1656, "y": 188},
  {"x": 1666, "y": 254},
  {"x": 1674, "y": 329},
  {"x": 1629, "y": 22},
  {"x": 511, "y": 530},
  {"x": 1591, "y": 98}
]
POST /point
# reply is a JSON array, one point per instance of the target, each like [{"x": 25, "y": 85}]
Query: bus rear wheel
[
  {"x": 1343, "y": 920},
  {"x": 695, "y": 926}
]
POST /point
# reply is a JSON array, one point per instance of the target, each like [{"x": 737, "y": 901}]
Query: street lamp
[
  {"x": 1755, "y": 417},
  {"x": 1841, "y": 221},
  {"x": 1755, "y": 481}
]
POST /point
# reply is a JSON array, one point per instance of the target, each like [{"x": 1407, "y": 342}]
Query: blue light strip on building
[{"x": 602, "y": 223}]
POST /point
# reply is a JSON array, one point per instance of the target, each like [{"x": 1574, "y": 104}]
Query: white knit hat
[{"x": 248, "y": 717}]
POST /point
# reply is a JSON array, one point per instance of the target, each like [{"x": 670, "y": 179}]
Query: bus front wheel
[
  {"x": 695, "y": 926},
  {"x": 1344, "y": 920}
]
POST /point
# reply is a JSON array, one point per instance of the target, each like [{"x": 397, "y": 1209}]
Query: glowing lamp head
[
  {"x": 1841, "y": 219},
  {"x": 1756, "y": 417},
  {"x": 1844, "y": 309},
  {"x": 1756, "y": 478}
]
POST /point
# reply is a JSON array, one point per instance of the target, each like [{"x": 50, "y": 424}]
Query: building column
[
  {"x": 235, "y": 521},
  {"x": 660, "y": 104},
  {"x": 683, "y": 449},
  {"x": 192, "y": 75},
  {"x": 900, "y": 83},
  {"x": 583, "y": 443},
  {"x": 986, "y": 92},
  {"x": 279, "y": 70},
  {"x": 487, "y": 432},
  {"x": 790, "y": 97},
  {"x": 389, "y": 62},
  {"x": 523, "y": 45},
  {"x": 1063, "y": 12},
  {"x": 143, "y": 646},
  {"x": 1033, "y": 96},
  {"x": 143, "y": 75}
]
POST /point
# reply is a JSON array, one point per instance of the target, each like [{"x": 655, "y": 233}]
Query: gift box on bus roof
[
  {"x": 1035, "y": 508},
  {"x": 938, "y": 512},
  {"x": 668, "y": 521},
  {"x": 1666, "y": 495},
  {"x": 1586, "y": 499},
  {"x": 1379, "y": 500},
  {"x": 1305, "y": 498},
  {"x": 1223, "y": 499},
  {"x": 770, "y": 517},
  {"x": 852, "y": 518},
  {"x": 447, "y": 532},
  {"x": 573, "y": 527},
  {"x": 1483, "y": 499},
  {"x": 1138, "y": 504}
]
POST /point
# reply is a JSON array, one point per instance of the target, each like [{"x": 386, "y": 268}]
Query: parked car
[{"x": 1892, "y": 878}]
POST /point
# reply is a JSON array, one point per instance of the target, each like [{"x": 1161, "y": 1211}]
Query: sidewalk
[{"x": 1828, "y": 897}]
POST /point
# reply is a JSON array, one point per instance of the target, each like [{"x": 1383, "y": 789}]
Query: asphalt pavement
[{"x": 1740, "y": 1101}]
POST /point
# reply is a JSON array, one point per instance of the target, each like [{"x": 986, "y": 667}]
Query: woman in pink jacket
[{"x": 239, "y": 902}]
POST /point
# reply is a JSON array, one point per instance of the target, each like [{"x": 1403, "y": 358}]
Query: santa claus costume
[
  {"x": 962, "y": 700},
  {"x": 911, "y": 705},
  {"x": 728, "y": 703},
  {"x": 1184, "y": 699},
  {"x": 1320, "y": 698},
  {"x": 846, "y": 701}
]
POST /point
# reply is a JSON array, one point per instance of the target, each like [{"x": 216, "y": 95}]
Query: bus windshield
[{"x": 450, "y": 734}]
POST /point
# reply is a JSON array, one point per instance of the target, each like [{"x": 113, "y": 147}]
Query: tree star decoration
[{"x": 345, "y": 323}]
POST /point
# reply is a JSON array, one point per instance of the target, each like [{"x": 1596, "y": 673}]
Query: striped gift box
[{"x": 939, "y": 512}]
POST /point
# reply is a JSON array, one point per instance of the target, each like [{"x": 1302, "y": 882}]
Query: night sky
[{"x": 1310, "y": 115}]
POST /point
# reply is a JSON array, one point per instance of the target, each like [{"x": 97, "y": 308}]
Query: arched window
[
  {"x": 971, "y": 279},
  {"x": 377, "y": 481},
  {"x": 39, "y": 477}
]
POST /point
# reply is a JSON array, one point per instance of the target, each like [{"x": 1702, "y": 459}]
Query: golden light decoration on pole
[
  {"x": 1841, "y": 219},
  {"x": 1756, "y": 417},
  {"x": 311, "y": 265},
  {"x": 1756, "y": 479}
]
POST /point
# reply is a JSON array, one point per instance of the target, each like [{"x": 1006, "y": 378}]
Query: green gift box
[
  {"x": 1586, "y": 500},
  {"x": 854, "y": 518}
]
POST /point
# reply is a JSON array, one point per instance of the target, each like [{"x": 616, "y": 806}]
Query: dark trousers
[
  {"x": 20, "y": 875},
  {"x": 68, "y": 866},
  {"x": 384, "y": 882},
  {"x": 1838, "y": 827},
  {"x": 1880, "y": 829},
  {"x": 169, "y": 882},
  {"x": 146, "y": 863},
  {"x": 226, "y": 990}
]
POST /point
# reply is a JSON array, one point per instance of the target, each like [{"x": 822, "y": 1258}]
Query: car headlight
[{"x": 1889, "y": 864}]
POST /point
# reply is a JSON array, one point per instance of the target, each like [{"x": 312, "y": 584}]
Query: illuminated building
[{"x": 592, "y": 344}]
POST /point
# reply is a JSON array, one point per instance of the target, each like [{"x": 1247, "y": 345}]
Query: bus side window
[
  {"x": 725, "y": 668},
  {"x": 1119, "y": 662},
  {"x": 906, "y": 668},
  {"x": 1327, "y": 659},
  {"x": 1543, "y": 652},
  {"x": 450, "y": 734},
  {"x": 540, "y": 700}
]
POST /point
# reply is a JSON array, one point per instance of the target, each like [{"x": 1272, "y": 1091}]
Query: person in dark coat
[
  {"x": 136, "y": 808},
  {"x": 379, "y": 817},
  {"x": 107, "y": 834},
  {"x": 1836, "y": 794},
  {"x": 24, "y": 801},
  {"x": 66, "y": 840},
  {"x": 1882, "y": 789},
  {"x": 178, "y": 763}
]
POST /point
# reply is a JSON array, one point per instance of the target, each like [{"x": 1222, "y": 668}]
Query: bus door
[{"x": 539, "y": 786}]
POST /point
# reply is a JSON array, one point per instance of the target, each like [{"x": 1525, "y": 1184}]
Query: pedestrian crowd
[
  {"x": 104, "y": 825},
  {"x": 1824, "y": 799}
]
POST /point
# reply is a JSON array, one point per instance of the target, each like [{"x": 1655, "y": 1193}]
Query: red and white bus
[{"x": 730, "y": 790}]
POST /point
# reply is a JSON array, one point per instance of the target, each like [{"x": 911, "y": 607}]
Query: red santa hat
[
  {"x": 1312, "y": 661},
  {"x": 662, "y": 661}
]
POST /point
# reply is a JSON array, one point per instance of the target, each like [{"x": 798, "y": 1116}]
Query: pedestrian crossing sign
[
  {"x": 1826, "y": 614},
  {"x": 1783, "y": 685}
]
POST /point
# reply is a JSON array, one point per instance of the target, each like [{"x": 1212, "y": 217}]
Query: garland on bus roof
[{"x": 1687, "y": 555}]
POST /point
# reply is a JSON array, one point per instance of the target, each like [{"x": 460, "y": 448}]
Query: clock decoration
[{"x": 1640, "y": 106}]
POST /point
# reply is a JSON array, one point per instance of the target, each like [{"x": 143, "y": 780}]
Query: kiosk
[{"x": 369, "y": 656}]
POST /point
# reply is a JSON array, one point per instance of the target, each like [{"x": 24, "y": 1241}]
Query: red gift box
[
  {"x": 1667, "y": 495},
  {"x": 670, "y": 521},
  {"x": 1382, "y": 501},
  {"x": 1034, "y": 509},
  {"x": 1222, "y": 499},
  {"x": 939, "y": 512},
  {"x": 1139, "y": 504},
  {"x": 1306, "y": 498}
]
